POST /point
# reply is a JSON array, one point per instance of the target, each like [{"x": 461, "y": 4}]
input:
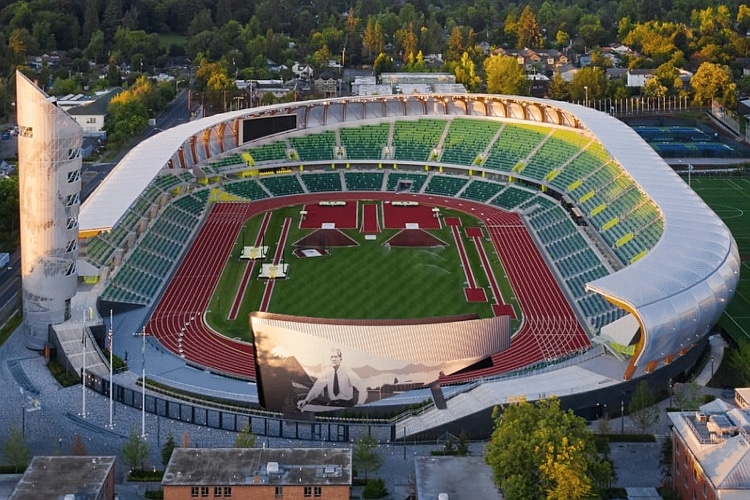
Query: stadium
[{"x": 581, "y": 263}]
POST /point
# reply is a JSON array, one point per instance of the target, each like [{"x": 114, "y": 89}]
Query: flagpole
[
  {"x": 111, "y": 371},
  {"x": 83, "y": 369},
  {"x": 143, "y": 385}
]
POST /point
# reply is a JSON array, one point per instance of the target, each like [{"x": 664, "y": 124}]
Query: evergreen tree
[
  {"x": 16, "y": 451},
  {"x": 167, "y": 449}
]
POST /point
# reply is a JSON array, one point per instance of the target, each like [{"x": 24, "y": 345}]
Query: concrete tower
[{"x": 49, "y": 178}]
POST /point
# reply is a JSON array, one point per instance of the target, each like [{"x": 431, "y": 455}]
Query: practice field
[
  {"x": 729, "y": 197},
  {"x": 365, "y": 279}
]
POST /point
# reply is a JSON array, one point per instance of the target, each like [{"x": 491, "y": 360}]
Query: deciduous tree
[
  {"x": 642, "y": 409},
  {"x": 79, "y": 447},
  {"x": 714, "y": 81},
  {"x": 245, "y": 438},
  {"x": 541, "y": 451},
  {"x": 505, "y": 76},
  {"x": 135, "y": 450},
  {"x": 365, "y": 456}
]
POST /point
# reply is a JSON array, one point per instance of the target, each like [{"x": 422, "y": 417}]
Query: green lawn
[
  {"x": 730, "y": 199},
  {"x": 369, "y": 281}
]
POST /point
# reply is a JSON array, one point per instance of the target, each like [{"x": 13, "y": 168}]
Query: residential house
[
  {"x": 638, "y": 77},
  {"x": 327, "y": 84},
  {"x": 302, "y": 71},
  {"x": 90, "y": 115}
]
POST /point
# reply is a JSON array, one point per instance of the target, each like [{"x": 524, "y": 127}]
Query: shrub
[
  {"x": 375, "y": 488},
  {"x": 64, "y": 377}
]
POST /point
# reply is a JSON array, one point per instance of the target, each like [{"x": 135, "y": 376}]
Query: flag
[{"x": 109, "y": 340}]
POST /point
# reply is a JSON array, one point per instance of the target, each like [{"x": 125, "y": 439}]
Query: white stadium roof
[{"x": 677, "y": 291}]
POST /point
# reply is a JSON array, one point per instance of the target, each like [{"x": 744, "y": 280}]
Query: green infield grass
[
  {"x": 367, "y": 281},
  {"x": 729, "y": 197}
]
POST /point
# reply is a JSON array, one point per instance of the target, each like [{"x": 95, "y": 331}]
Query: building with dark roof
[
  {"x": 53, "y": 478},
  {"x": 90, "y": 116},
  {"x": 258, "y": 473}
]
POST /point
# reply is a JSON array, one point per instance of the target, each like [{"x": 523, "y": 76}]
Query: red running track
[
  {"x": 249, "y": 268},
  {"x": 268, "y": 290},
  {"x": 550, "y": 328}
]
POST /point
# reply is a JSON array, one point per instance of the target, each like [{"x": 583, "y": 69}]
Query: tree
[
  {"x": 135, "y": 450},
  {"x": 408, "y": 42},
  {"x": 383, "y": 64},
  {"x": 167, "y": 449},
  {"x": 666, "y": 458},
  {"x": 373, "y": 40},
  {"x": 455, "y": 48},
  {"x": 642, "y": 409},
  {"x": 505, "y": 76},
  {"x": 245, "y": 438},
  {"x": 466, "y": 74},
  {"x": 589, "y": 83},
  {"x": 16, "y": 452},
  {"x": 79, "y": 447},
  {"x": 365, "y": 456},
  {"x": 687, "y": 396},
  {"x": 541, "y": 451},
  {"x": 739, "y": 363},
  {"x": 528, "y": 33},
  {"x": 185, "y": 440},
  {"x": 714, "y": 81},
  {"x": 558, "y": 88}
]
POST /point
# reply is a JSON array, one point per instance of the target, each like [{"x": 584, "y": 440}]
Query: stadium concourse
[{"x": 620, "y": 270}]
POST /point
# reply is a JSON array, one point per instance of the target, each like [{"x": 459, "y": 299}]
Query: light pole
[
  {"x": 622, "y": 416},
  {"x": 712, "y": 366},
  {"x": 586, "y": 102},
  {"x": 143, "y": 384}
]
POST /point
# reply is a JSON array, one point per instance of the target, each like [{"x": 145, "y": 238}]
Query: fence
[
  {"x": 636, "y": 106},
  {"x": 269, "y": 425}
]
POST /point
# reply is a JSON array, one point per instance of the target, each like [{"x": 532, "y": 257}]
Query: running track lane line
[
  {"x": 239, "y": 296},
  {"x": 464, "y": 260},
  {"x": 488, "y": 271},
  {"x": 268, "y": 292}
]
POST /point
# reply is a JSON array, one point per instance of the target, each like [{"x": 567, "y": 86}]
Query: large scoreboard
[{"x": 256, "y": 128}]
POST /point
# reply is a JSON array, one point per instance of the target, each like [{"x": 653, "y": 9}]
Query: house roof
[{"x": 98, "y": 106}]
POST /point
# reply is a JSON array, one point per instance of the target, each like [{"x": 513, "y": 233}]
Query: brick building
[
  {"x": 258, "y": 473},
  {"x": 711, "y": 452}
]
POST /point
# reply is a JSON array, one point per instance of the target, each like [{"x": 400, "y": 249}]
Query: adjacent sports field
[
  {"x": 368, "y": 279},
  {"x": 729, "y": 197}
]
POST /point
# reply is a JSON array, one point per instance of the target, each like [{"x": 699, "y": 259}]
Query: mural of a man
[{"x": 336, "y": 386}]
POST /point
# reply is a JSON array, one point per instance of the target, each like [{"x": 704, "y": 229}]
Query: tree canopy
[{"x": 540, "y": 451}]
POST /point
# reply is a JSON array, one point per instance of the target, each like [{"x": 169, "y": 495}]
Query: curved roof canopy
[{"x": 677, "y": 291}]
